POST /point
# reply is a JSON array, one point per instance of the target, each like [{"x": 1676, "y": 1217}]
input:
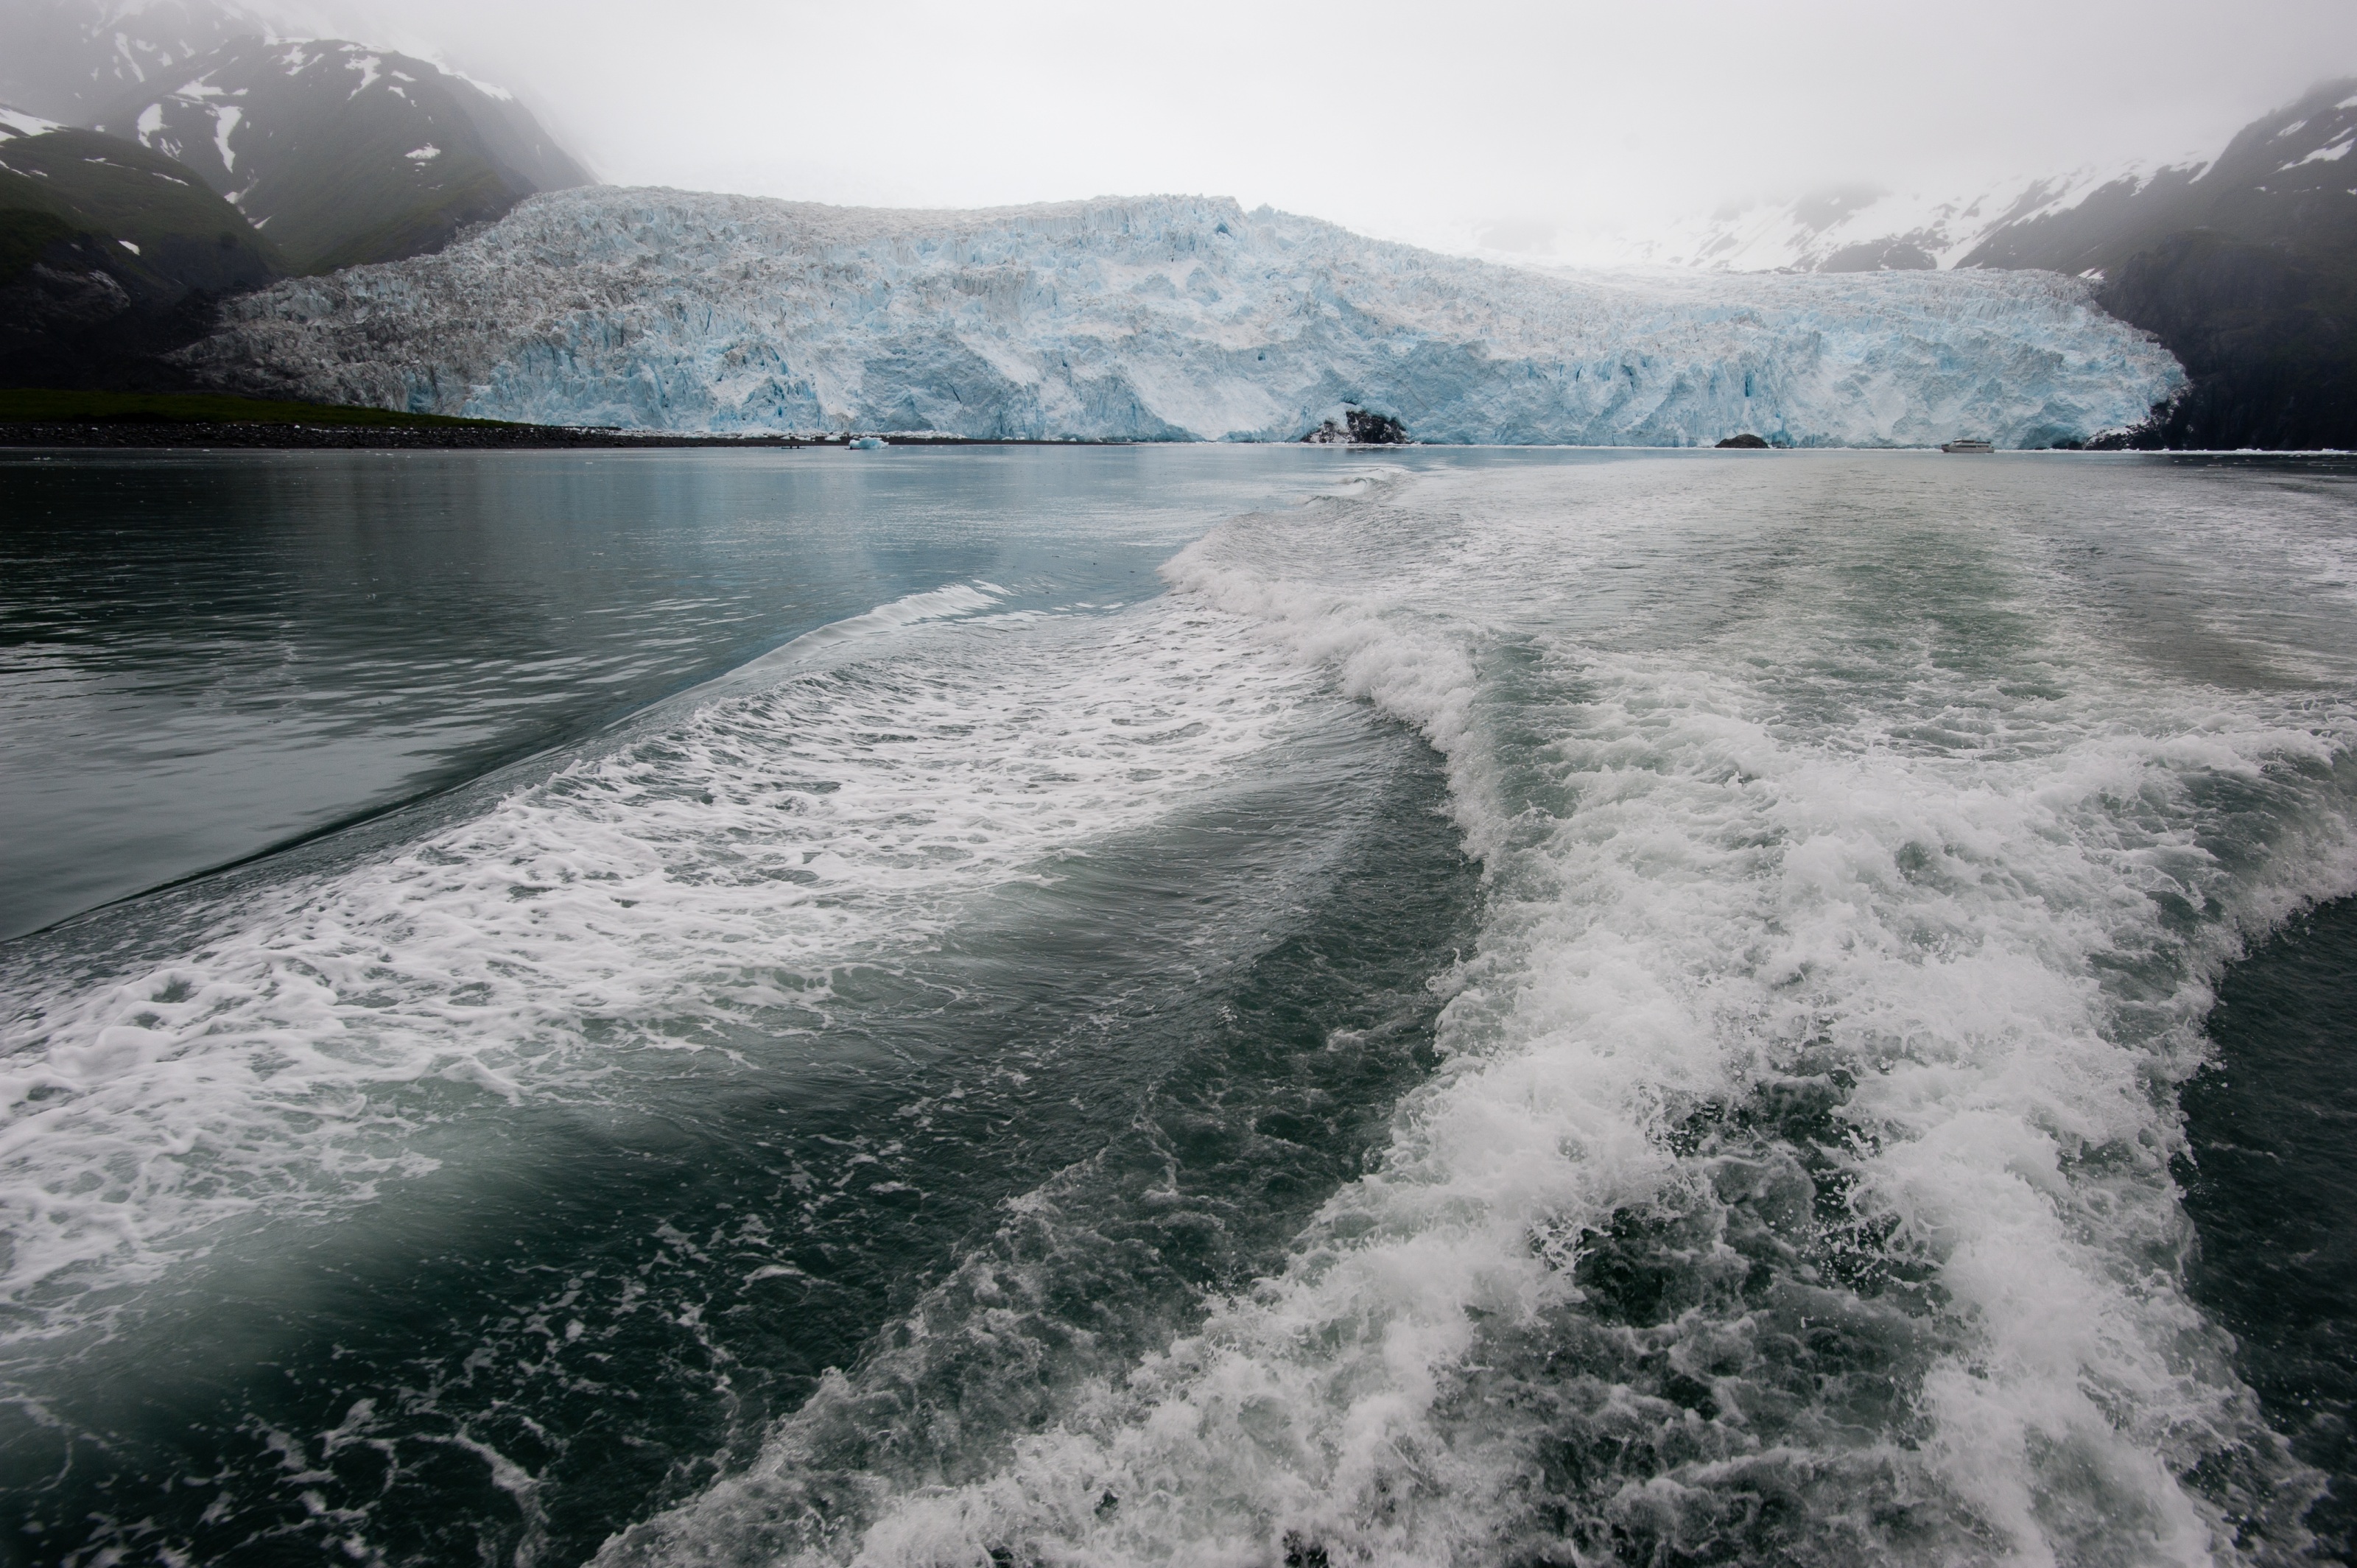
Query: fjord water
[
  {"x": 209, "y": 656},
  {"x": 1503, "y": 1007}
]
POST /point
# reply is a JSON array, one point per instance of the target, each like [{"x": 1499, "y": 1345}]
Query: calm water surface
[
  {"x": 208, "y": 656},
  {"x": 1175, "y": 1005}
]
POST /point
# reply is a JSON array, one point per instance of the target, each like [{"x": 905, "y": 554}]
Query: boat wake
[
  {"x": 1796, "y": 1182},
  {"x": 1530, "y": 1009}
]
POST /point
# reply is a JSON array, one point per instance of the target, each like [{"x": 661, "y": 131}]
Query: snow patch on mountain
[
  {"x": 2321, "y": 155},
  {"x": 1161, "y": 319},
  {"x": 15, "y": 122},
  {"x": 351, "y": 153}
]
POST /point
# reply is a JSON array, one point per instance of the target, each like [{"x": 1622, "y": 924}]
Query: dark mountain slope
[
  {"x": 2267, "y": 334},
  {"x": 343, "y": 153},
  {"x": 2287, "y": 179},
  {"x": 110, "y": 255},
  {"x": 2246, "y": 269}
]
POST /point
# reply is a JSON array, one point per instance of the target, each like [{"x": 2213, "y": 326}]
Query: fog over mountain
[
  {"x": 1582, "y": 134},
  {"x": 1574, "y": 133}
]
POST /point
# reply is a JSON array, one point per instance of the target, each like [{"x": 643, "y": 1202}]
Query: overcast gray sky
[{"x": 1427, "y": 123}]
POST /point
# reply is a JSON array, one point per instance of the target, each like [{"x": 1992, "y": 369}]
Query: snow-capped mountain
[
  {"x": 2290, "y": 160},
  {"x": 2285, "y": 179},
  {"x": 344, "y": 154},
  {"x": 2243, "y": 265},
  {"x": 2248, "y": 273},
  {"x": 1864, "y": 229},
  {"x": 154, "y": 216},
  {"x": 341, "y": 153},
  {"x": 1161, "y": 319}
]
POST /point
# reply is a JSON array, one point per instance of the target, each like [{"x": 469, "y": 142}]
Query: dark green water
[
  {"x": 587, "y": 1302},
  {"x": 1176, "y": 1006},
  {"x": 2274, "y": 1128}
]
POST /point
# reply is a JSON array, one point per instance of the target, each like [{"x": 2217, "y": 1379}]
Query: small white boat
[{"x": 1969, "y": 444}]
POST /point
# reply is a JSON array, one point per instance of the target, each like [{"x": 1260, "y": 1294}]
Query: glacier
[{"x": 1161, "y": 319}]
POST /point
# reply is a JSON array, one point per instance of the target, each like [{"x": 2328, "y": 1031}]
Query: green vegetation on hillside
[
  {"x": 38, "y": 406},
  {"x": 25, "y": 233},
  {"x": 118, "y": 190}
]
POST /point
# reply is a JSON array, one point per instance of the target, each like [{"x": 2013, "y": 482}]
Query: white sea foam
[
  {"x": 910, "y": 610},
  {"x": 690, "y": 887},
  {"x": 1972, "y": 894}
]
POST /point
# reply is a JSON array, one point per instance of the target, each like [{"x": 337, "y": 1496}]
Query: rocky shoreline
[{"x": 162, "y": 434}]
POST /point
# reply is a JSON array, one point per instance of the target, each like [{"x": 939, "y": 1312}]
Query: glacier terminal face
[{"x": 1162, "y": 318}]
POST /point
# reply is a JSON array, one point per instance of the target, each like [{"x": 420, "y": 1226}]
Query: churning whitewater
[
  {"x": 1796, "y": 1186},
  {"x": 1530, "y": 1008}
]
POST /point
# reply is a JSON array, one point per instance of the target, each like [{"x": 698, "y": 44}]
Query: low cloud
[{"x": 1415, "y": 121}]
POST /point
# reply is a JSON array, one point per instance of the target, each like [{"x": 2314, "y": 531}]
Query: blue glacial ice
[{"x": 1163, "y": 319}]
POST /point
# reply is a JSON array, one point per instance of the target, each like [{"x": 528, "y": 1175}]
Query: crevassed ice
[{"x": 1163, "y": 319}]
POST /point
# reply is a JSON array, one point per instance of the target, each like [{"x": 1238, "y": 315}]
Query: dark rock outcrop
[
  {"x": 2267, "y": 335},
  {"x": 1359, "y": 427},
  {"x": 1747, "y": 442}
]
